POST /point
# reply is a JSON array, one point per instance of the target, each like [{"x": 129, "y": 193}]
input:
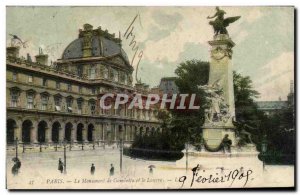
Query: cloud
[
  {"x": 151, "y": 72},
  {"x": 163, "y": 25},
  {"x": 194, "y": 51},
  {"x": 266, "y": 38},
  {"x": 275, "y": 76}
]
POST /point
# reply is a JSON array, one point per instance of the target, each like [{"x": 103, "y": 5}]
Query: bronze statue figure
[{"x": 220, "y": 24}]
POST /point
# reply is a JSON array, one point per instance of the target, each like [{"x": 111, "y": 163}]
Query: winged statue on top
[{"x": 220, "y": 23}]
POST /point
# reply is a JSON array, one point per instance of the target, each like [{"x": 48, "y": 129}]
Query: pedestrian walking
[
  {"x": 93, "y": 169},
  {"x": 60, "y": 165},
  {"x": 15, "y": 169},
  {"x": 151, "y": 169},
  {"x": 17, "y": 165},
  {"x": 112, "y": 170}
]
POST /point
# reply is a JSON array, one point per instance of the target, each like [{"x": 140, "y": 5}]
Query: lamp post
[
  {"x": 16, "y": 143},
  {"x": 121, "y": 147},
  {"x": 264, "y": 149},
  {"x": 186, "y": 156},
  {"x": 65, "y": 156}
]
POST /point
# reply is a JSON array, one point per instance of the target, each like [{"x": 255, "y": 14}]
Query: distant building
[
  {"x": 271, "y": 107},
  {"x": 168, "y": 86}
]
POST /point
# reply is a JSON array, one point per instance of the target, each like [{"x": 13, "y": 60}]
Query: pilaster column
[
  {"x": 125, "y": 133},
  {"x": 94, "y": 132},
  {"x": 132, "y": 133},
  {"x": 84, "y": 134},
  {"x": 17, "y": 133},
  {"x": 115, "y": 132},
  {"x": 73, "y": 135},
  {"x": 48, "y": 135},
  {"x": 103, "y": 131},
  {"x": 61, "y": 134},
  {"x": 33, "y": 134}
]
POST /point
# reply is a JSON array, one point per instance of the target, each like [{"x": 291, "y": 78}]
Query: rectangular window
[
  {"x": 69, "y": 105},
  {"x": 93, "y": 108},
  {"x": 93, "y": 91},
  {"x": 14, "y": 99},
  {"x": 14, "y": 76},
  {"x": 79, "y": 105},
  {"x": 44, "y": 102},
  {"x": 118, "y": 111},
  {"x": 30, "y": 79},
  {"x": 30, "y": 101},
  {"x": 79, "y": 89},
  {"x": 44, "y": 82},
  {"x": 69, "y": 87},
  {"x": 92, "y": 72},
  {"x": 79, "y": 70},
  {"x": 57, "y": 101},
  {"x": 57, "y": 85}
]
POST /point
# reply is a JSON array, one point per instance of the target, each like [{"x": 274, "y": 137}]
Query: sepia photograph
[{"x": 150, "y": 97}]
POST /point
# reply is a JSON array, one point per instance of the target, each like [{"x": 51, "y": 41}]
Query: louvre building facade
[{"x": 58, "y": 102}]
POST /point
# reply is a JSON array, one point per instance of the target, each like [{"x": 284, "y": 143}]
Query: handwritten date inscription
[{"x": 200, "y": 177}]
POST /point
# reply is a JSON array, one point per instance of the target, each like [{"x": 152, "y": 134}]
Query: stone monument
[{"x": 219, "y": 147}]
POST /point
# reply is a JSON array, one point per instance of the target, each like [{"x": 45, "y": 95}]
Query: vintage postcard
[{"x": 150, "y": 97}]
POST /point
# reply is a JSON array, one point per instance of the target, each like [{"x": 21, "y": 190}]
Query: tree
[
  {"x": 180, "y": 126},
  {"x": 248, "y": 117},
  {"x": 187, "y": 124}
]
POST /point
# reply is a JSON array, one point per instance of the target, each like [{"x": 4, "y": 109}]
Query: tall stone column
[
  {"x": 18, "y": 133},
  {"x": 103, "y": 131},
  {"x": 73, "y": 135},
  {"x": 125, "y": 132},
  {"x": 61, "y": 134},
  {"x": 33, "y": 134},
  {"x": 84, "y": 134},
  {"x": 48, "y": 135},
  {"x": 94, "y": 134},
  {"x": 131, "y": 132},
  {"x": 115, "y": 132},
  {"x": 109, "y": 132},
  {"x": 220, "y": 86}
]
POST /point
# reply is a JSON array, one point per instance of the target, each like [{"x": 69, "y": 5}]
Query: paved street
[{"x": 40, "y": 170}]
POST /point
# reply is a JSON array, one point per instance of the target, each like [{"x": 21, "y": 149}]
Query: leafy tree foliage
[{"x": 184, "y": 126}]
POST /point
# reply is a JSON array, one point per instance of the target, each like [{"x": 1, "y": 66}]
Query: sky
[{"x": 264, "y": 38}]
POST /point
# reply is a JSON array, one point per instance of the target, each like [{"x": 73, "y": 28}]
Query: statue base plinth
[{"x": 213, "y": 135}]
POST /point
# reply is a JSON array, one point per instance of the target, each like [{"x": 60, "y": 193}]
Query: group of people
[
  {"x": 111, "y": 170},
  {"x": 93, "y": 168}
]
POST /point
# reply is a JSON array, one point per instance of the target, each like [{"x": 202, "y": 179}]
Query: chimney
[
  {"x": 87, "y": 40},
  {"x": 291, "y": 86},
  {"x": 29, "y": 58},
  {"x": 41, "y": 58},
  {"x": 12, "y": 51}
]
